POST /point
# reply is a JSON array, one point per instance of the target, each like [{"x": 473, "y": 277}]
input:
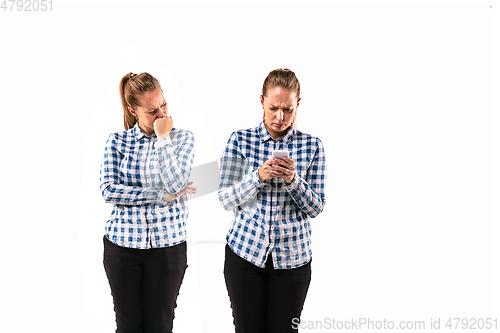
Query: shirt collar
[
  {"x": 265, "y": 136},
  {"x": 138, "y": 133}
]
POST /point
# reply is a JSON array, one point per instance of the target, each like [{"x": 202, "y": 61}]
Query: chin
[{"x": 282, "y": 128}]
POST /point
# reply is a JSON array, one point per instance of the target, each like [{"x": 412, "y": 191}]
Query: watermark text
[{"x": 385, "y": 324}]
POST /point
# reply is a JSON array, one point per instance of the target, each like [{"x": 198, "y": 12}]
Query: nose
[
  {"x": 280, "y": 115},
  {"x": 163, "y": 112}
]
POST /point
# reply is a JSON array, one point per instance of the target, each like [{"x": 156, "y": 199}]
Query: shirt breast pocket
[{"x": 129, "y": 170}]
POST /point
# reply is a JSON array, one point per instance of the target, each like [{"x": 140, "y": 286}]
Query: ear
[
  {"x": 298, "y": 101},
  {"x": 262, "y": 101},
  {"x": 132, "y": 111}
]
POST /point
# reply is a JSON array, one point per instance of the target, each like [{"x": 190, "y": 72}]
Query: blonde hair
[
  {"x": 283, "y": 78},
  {"x": 132, "y": 86}
]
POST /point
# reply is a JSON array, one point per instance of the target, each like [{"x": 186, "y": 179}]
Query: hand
[
  {"x": 286, "y": 168},
  {"x": 266, "y": 171},
  {"x": 270, "y": 169},
  {"x": 188, "y": 189},
  {"x": 163, "y": 126}
]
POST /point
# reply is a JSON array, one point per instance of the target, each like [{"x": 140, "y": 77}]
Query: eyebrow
[
  {"x": 164, "y": 101},
  {"x": 286, "y": 106}
]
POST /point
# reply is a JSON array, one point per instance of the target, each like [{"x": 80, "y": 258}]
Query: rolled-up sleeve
[
  {"x": 113, "y": 191},
  {"x": 175, "y": 162},
  {"x": 309, "y": 193},
  {"x": 236, "y": 187}
]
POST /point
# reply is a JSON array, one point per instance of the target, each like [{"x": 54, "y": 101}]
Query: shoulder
[
  {"x": 181, "y": 133},
  {"x": 308, "y": 139},
  {"x": 248, "y": 131},
  {"x": 181, "y": 137},
  {"x": 121, "y": 136},
  {"x": 248, "y": 134},
  {"x": 241, "y": 139}
]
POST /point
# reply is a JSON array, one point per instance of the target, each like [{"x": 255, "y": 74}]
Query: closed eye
[{"x": 156, "y": 110}]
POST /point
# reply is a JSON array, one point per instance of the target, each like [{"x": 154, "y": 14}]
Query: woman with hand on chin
[
  {"x": 144, "y": 174},
  {"x": 268, "y": 252}
]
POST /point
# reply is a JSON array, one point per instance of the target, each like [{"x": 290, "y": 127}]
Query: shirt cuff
[
  {"x": 255, "y": 177},
  {"x": 294, "y": 184},
  {"x": 161, "y": 196},
  {"x": 166, "y": 141}
]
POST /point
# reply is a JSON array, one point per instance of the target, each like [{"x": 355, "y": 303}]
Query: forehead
[
  {"x": 280, "y": 96},
  {"x": 152, "y": 99}
]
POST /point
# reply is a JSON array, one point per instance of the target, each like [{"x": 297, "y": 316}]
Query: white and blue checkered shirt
[
  {"x": 272, "y": 216},
  {"x": 137, "y": 171}
]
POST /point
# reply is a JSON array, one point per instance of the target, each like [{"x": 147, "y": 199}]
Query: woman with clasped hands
[
  {"x": 144, "y": 174},
  {"x": 268, "y": 253}
]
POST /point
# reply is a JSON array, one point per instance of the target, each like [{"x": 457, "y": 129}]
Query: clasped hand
[
  {"x": 163, "y": 126},
  {"x": 277, "y": 167}
]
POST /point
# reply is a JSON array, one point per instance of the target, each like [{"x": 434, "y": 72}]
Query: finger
[
  {"x": 278, "y": 168},
  {"x": 269, "y": 162},
  {"x": 281, "y": 162},
  {"x": 281, "y": 165},
  {"x": 289, "y": 161},
  {"x": 274, "y": 171},
  {"x": 289, "y": 166},
  {"x": 282, "y": 170}
]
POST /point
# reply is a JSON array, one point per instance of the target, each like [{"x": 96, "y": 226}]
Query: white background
[{"x": 402, "y": 96}]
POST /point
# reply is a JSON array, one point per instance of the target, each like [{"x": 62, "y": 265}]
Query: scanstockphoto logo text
[
  {"x": 477, "y": 324},
  {"x": 25, "y": 5}
]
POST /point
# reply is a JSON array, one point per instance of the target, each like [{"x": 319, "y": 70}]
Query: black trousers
[
  {"x": 144, "y": 285},
  {"x": 264, "y": 299}
]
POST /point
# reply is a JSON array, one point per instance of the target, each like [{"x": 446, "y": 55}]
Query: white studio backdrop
[{"x": 400, "y": 94}]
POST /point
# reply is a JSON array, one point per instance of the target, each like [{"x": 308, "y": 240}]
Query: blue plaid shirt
[
  {"x": 137, "y": 171},
  {"x": 271, "y": 216}
]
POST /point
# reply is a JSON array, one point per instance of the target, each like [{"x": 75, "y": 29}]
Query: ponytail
[{"x": 128, "y": 118}]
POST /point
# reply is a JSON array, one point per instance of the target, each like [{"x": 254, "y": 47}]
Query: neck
[
  {"x": 145, "y": 131},
  {"x": 277, "y": 135}
]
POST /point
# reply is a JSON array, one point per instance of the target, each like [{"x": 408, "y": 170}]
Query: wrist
[
  {"x": 161, "y": 136},
  {"x": 288, "y": 182}
]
